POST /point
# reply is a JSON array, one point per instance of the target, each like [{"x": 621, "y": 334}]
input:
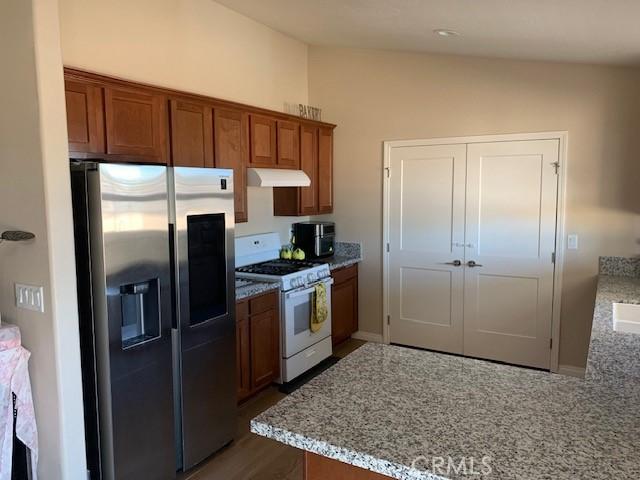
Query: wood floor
[{"x": 251, "y": 457}]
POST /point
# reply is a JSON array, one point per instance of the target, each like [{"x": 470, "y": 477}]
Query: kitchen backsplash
[
  {"x": 261, "y": 218},
  {"x": 348, "y": 249},
  {"x": 620, "y": 266}
]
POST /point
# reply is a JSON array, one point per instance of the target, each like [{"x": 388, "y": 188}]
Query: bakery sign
[{"x": 305, "y": 111}]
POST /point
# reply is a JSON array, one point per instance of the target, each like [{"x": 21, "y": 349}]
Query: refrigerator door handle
[{"x": 172, "y": 267}]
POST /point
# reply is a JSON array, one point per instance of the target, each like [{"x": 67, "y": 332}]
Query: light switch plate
[
  {"x": 30, "y": 297},
  {"x": 572, "y": 242}
]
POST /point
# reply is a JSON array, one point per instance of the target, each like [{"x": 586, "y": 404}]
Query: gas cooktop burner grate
[{"x": 278, "y": 267}]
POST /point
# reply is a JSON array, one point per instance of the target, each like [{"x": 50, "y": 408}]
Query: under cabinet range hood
[{"x": 277, "y": 177}]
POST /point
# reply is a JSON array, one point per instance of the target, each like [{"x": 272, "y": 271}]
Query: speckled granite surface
[
  {"x": 346, "y": 254},
  {"x": 255, "y": 288},
  {"x": 383, "y": 407},
  {"x": 614, "y": 357},
  {"x": 620, "y": 266}
]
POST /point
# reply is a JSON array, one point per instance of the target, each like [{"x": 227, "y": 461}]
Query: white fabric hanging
[{"x": 14, "y": 379}]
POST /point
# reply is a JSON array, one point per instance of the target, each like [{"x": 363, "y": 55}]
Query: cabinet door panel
[
  {"x": 85, "y": 117},
  {"x": 308, "y": 196},
  {"x": 263, "y": 141},
  {"x": 325, "y": 170},
  {"x": 243, "y": 350},
  {"x": 265, "y": 352},
  {"x": 191, "y": 134},
  {"x": 136, "y": 124},
  {"x": 288, "y": 145},
  {"x": 243, "y": 359},
  {"x": 344, "y": 305},
  {"x": 231, "y": 151}
]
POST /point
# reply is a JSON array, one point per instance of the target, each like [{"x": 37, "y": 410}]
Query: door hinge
[
  {"x": 388, "y": 247},
  {"x": 556, "y": 167},
  {"x": 388, "y": 319},
  {"x": 388, "y": 170},
  {"x": 550, "y": 343},
  {"x": 553, "y": 257}
]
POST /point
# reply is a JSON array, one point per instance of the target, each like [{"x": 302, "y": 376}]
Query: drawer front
[
  {"x": 263, "y": 303},
  {"x": 344, "y": 274},
  {"x": 301, "y": 362}
]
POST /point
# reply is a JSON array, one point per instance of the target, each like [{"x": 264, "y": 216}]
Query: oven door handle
[{"x": 307, "y": 290}]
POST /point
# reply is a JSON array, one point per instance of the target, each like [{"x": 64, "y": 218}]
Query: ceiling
[{"x": 585, "y": 31}]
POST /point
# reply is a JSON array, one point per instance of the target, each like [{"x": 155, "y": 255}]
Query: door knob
[
  {"x": 455, "y": 263},
  {"x": 472, "y": 263}
]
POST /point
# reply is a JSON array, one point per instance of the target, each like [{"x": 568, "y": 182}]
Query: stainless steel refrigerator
[{"x": 155, "y": 269}]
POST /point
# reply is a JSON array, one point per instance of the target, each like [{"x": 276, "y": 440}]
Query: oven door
[{"x": 296, "y": 318}]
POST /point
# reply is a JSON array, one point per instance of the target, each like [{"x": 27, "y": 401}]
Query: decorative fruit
[
  {"x": 285, "y": 253},
  {"x": 298, "y": 254}
]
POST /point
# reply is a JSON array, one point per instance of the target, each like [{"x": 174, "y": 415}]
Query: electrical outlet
[
  {"x": 30, "y": 297},
  {"x": 572, "y": 242}
]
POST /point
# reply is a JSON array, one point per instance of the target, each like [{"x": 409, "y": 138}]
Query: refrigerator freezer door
[
  {"x": 204, "y": 241},
  {"x": 131, "y": 290}
]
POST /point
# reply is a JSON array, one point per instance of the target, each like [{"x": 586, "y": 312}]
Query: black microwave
[{"x": 316, "y": 239}]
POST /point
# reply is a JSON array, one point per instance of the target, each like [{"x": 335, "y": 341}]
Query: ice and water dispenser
[{"x": 140, "y": 312}]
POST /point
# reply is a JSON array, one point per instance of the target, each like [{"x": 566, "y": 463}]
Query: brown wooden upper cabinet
[
  {"x": 288, "y": 144},
  {"x": 85, "y": 117},
  {"x": 325, "y": 170},
  {"x": 136, "y": 124},
  {"x": 263, "y": 137},
  {"x": 231, "y": 138},
  {"x": 191, "y": 134},
  {"x": 308, "y": 196},
  {"x": 120, "y": 121},
  {"x": 316, "y": 160}
]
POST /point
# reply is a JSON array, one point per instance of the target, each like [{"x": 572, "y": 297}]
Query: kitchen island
[{"x": 411, "y": 414}]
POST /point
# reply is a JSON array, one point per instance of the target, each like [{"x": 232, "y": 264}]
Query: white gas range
[{"x": 257, "y": 258}]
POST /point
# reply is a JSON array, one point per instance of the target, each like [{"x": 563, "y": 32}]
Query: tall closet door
[
  {"x": 426, "y": 231},
  {"x": 511, "y": 199}
]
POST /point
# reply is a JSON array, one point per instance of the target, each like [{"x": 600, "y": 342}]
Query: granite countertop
[
  {"x": 384, "y": 408},
  {"x": 346, "y": 254},
  {"x": 614, "y": 357}
]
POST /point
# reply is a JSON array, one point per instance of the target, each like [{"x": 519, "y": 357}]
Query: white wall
[
  {"x": 196, "y": 46},
  {"x": 34, "y": 196},
  {"x": 375, "y": 96}
]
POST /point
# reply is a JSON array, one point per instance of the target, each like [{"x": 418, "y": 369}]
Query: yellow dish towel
[{"x": 319, "y": 312}]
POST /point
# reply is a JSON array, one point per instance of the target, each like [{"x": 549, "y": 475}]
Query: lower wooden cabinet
[
  {"x": 316, "y": 467},
  {"x": 344, "y": 303},
  {"x": 257, "y": 343},
  {"x": 243, "y": 350}
]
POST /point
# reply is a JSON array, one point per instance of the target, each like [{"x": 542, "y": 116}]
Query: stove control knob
[{"x": 311, "y": 277}]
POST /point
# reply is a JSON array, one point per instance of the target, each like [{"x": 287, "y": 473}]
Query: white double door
[{"x": 471, "y": 248}]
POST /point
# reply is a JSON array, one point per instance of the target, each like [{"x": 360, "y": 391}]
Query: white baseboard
[
  {"x": 571, "y": 371},
  {"x": 367, "y": 336}
]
